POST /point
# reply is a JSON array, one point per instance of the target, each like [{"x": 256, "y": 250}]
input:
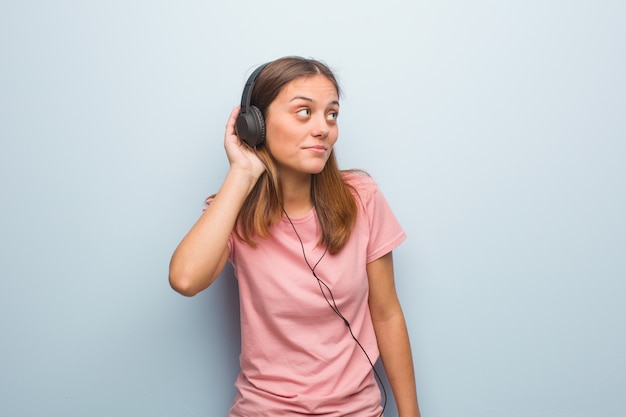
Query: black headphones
[{"x": 250, "y": 125}]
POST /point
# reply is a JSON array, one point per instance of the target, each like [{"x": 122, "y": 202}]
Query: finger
[{"x": 230, "y": 124}]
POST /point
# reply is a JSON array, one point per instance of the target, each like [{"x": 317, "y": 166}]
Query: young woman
[{"x": 311, "y": 248}]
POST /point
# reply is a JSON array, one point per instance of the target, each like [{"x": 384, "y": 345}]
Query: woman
[{"x": 311, "y": 248}]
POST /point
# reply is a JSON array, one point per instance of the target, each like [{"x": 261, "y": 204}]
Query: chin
[{"x": 316, "y": 169}]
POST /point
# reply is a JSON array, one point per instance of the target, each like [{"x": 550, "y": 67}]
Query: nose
[{"x": 320, "y": 128}]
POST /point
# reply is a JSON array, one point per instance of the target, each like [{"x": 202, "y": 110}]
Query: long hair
[{"x": 333, "y": 199}]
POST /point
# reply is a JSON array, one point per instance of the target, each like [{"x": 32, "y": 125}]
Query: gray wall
[{"x": 496, "y": 130}]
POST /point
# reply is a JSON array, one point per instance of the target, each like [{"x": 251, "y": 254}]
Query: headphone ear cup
[
  {"x": 259, "y": 122},
  {"x": 250, "y": 126}
]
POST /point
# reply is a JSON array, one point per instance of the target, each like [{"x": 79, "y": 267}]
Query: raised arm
[{"x": 202, "y": 254}]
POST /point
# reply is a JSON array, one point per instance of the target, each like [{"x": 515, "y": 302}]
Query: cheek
[
  {"x": 279, "y": 131},
  {"x": 333, "y": 137},
  {"x": 274, "y": 135}
]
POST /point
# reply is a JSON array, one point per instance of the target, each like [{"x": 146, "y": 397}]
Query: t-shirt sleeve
[
  {"x": 386, "y": 233},
  {"x": 206, "y": 205}
]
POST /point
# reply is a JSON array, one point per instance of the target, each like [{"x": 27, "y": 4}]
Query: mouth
[{"x": 317, "y": 148}]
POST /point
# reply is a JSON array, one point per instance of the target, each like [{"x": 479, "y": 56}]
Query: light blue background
[{"x": 495, "y": 129}]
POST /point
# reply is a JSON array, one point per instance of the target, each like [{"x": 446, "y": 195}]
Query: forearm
[
  {"x": 395, "y": 351},
  {"x": 202, "y": 253}
]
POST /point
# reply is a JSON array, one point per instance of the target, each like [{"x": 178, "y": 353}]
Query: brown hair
[{"x": 332, "y": 198}]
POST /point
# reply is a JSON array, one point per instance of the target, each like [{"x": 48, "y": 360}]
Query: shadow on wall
[
  {"x": 223, "y": 327},
  {"x": 225, "y": 294}
]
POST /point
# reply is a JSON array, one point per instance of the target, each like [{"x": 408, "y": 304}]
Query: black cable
[{"x": 333, "y": 306}]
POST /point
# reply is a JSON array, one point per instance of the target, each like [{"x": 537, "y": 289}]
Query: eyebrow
[{"x": 334, "y": 102}]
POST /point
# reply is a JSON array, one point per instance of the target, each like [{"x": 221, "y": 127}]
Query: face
[{"x": 301, "y": 125}]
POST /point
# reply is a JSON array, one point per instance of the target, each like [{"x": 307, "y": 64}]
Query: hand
[{"x": 240, "y": 155}]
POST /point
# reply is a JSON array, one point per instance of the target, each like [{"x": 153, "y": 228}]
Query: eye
[
  {"x": 333, "y": 115},
  {"x": 304, "y": 112}
]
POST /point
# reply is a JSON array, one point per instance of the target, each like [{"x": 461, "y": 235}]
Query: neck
[{"x": 297, "y": 195}]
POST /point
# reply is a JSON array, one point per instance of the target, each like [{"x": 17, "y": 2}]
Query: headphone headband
[{"x": 246, "y": 97}]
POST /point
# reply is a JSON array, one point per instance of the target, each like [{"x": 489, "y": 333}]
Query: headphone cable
[
  {"x": 333, "y": 306},
  {"x": 331, "y": 302}
]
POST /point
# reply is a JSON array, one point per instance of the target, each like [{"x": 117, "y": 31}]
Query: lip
[{"x": 316, "y": 148}]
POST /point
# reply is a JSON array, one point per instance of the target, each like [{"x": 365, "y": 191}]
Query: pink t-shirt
[{"x": 297, "y": 356}]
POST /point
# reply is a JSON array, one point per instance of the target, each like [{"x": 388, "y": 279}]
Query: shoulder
[{"x": 361, "y": 183}]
